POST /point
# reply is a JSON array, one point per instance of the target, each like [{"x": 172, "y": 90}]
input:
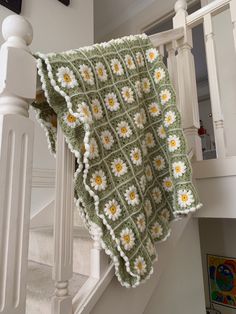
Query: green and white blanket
[{"x": 117, "y": 108}]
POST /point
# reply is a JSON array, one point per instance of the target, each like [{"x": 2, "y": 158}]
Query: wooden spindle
[
  {"x": 63, "y": 226},
  {"x": 187, "y": 90},
  {"x": 17, "y": 89},
  {"x": 214, "y": 87}
]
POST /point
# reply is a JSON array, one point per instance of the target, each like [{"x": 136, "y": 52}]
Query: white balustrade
[
  {"x": 233, "y": 19},
  {"x": 214, "y": 87},
  {"x": 63, "y": 226},
  {"x": 187, "y": 91},
  {"x": 17, "y": 90}
]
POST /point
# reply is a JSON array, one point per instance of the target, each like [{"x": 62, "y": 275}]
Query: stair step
[
  {"x": 41, "y": 248},
  {"x": 40, "y": 288}
]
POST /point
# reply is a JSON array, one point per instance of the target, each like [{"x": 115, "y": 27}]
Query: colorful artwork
[{"x": 222, "y": 280}]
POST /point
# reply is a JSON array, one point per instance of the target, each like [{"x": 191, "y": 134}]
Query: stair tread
[{"x": 40, "y": 287}]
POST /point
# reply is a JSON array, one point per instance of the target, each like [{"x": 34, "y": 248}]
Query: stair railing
[{"x": 17, "y": 90}]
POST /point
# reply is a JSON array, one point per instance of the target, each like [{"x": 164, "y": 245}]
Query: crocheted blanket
[{"x": 117, "y": 108}]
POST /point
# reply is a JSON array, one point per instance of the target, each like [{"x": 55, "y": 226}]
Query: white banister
[
  {"x": 233, "y": 19},
  {"x": 17, "y": 90},
  {"x": 187, "y": 90},
  {"x": 63, "y": 226},
  {"x": 217, "y": 114}
]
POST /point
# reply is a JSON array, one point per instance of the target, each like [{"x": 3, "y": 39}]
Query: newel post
[
  {"x": 187, "y": 90},
  {"x": 17, "y": 90}
]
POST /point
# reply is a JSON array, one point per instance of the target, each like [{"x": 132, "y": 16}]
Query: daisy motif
[
  {"x": 148, "y": 173},
  {"x": 170, "y": 118},
  {"x": 127, "y": 238},
  {"x": 185, "y": 198},
  {"x": 146, "y": 86},
  {"x": 149, "y": 138},
  {"x": 98, "y": 180},
  {"x": 167, "y": 184},
  {"x": 150, "y": 247},
  {"x": 141, "y": 222},
  {"x": 118, "y": 167},
  {"x": 111, "y": 102},
  {"x": 84, "y": 111},
  {"x": 143, "y": 183},
  {"x": 140, "y": 265},
  {"x": 159, "y": 74},
  {"x": 107, "y": 139},
  {"x": 173, "y": 142},
  {"x": 93, "y": 149},
  {"x": 156, "y": 230},
  {"x": 101, "y": 71},
  {"x": 151, "y": 54},
  {"x": 112, "y": 210},
  {"x": 139, "y": 58},
  {"x": 156, "y": 193},
  {"x": 144, "y": 148},
  {"x": 136, "y": 156},
  {"x": 138, "y": 88},
  {"x": 165, "y": 96},
  {"x": 70, "y": 120},
  {"x": 148, "y": 207},
  {"x": 131, "y": 196},
  {"x": 165, "y": 214},
  {"x": 129, "y": 62},
  {"x": 154, "y": 109},
  {"x": 87, "y": 74},
  {"x": 117, "y": 67},
  {"x": 138, "y": 119},
  {"x": 96, "y": 109},
  {"x": 159, "y": 163},
  {"x": 127, "y": 94},
  {"x": 123, "y": 129},
  {"x": 179, "y": 168},
  {"x": 161, "y": 132},
  {"x": 66, "y": 77},
  {"x": 143, "y": 116}
]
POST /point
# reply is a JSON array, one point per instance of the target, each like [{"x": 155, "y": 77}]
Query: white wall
[
  {"x": 217, "y": 238},
  {"x": 56, "y": 28}
]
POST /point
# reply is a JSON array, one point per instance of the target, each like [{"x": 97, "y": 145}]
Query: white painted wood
[
  {"x": 63, "y": 226},
  {"x": 166, "y": 37},
  {"x": 233, "y": 19},
  {"x": 214, "y": 87},
  {"x": 187, "y": 90},
  {"x": 213, "y": 8},
  {"x": 17, "y": 89},
  {"x": 43, "y": 217},
  {"x": 43, "y": 178}
]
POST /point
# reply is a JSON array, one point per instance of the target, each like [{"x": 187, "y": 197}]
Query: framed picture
[
  {"x": 13, "y": 5},
  {"x": 65, "y": 2},
  {"x": 222, "y": 280}
]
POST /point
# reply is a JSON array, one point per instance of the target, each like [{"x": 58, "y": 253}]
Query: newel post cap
[
  {"x": 181, "y": 5},
  {"x": 17, "y": 27}
]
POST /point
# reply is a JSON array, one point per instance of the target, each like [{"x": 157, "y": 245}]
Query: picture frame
[
  {"x": 13, "y": 5},
  {"x": 222, "y": 280}
]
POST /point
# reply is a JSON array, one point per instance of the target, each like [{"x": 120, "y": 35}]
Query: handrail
[
  {"x": 212, "y": 8},
  {"x": 164, "y": 38}
]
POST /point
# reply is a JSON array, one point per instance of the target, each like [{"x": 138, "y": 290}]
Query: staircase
[{"x": 48, "y": 262}]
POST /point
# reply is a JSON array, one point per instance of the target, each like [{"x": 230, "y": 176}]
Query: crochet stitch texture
[{"x": 117, "y": 108}]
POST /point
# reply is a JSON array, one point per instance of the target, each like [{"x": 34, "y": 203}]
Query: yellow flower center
[
  {"x": 140, "y": 59},
  {"x": 100, "y": 71},
  {"x": 145, "y": 85},
  {"x": 87, "y": 75},
  {"x": 98, "y": 180},
  {"x": 158, "y": 74},
  {"x": 172, "y": 143},
  {"x": 164, "y": 96},
  {"x": 184, "y": 197},
  {"x": 95, "y": 109},
  {"x": 168, "y": 184},
  {"x": 154, "y": 109},
  {"x": 156, "y": 230},
  {"x": 149, "y": 140},
  {"x": 136, "y": 156},
  {"x": 168, "y": 119},
  {"x": 119, "y": 167},
  {"x": 85, "y": 112},
  {"x": 127, "y": 238},
  {"x": 67, "y": 78},
  {"x": 106, "y": 139},
  {"x": 140, "y": 266},
  {"x": 158, "y": 162},
  {"x": 177, "y": 169},
  {"x": 123, "y": 130},
  {"x": 132, "y": 196},
  {"x": 111, "y": 102},
  {"x": 113, "y": 209},
  {"x": 127, "y": 94},
  {"x": 151, "y": 55},
  {"x": 71, "y": 118},
  {"x": 116, "y": 67}
]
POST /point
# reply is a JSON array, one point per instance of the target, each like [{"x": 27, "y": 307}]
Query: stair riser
[{"x": 41, "y": 249}]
